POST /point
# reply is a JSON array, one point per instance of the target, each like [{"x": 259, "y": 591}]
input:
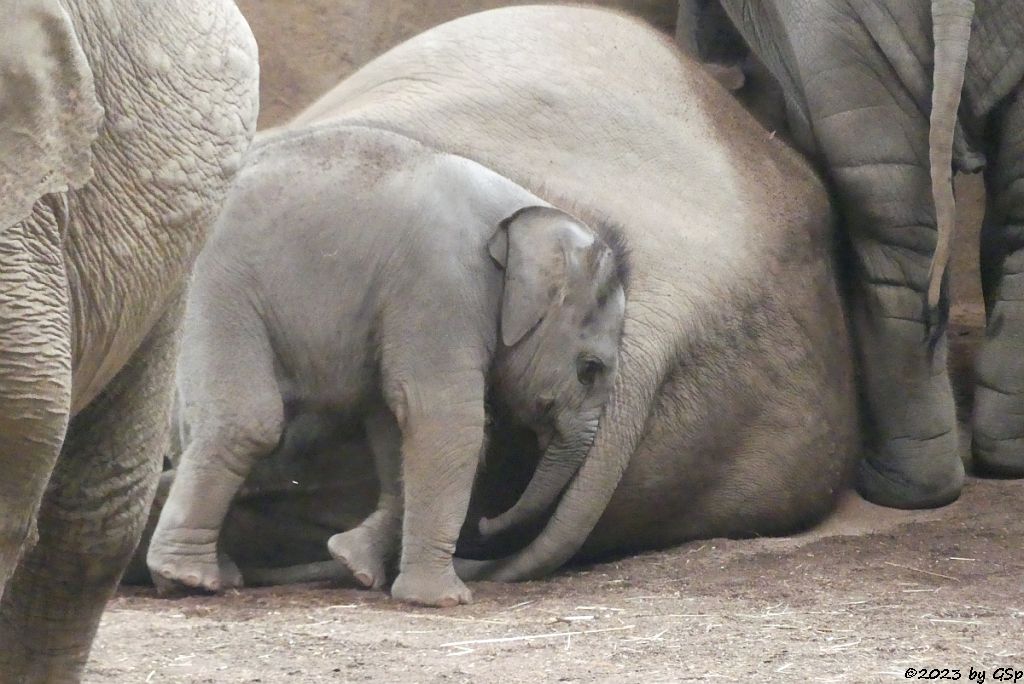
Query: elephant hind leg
[
  {"x": 998, "y": 420},
  {"x": 91, "y": 518},
  {"x": 875, "y": 141},
  {"x": 912, "y": 458},
  {"x": 368, "y": 549},
  {"x": 235, "y": 415}
]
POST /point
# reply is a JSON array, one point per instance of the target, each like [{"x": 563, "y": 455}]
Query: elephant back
[{"x": 594, "y": 109}]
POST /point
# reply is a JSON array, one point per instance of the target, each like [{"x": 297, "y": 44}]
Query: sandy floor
[{"x": 861, "y": 598}]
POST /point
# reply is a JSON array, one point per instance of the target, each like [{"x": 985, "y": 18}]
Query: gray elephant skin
[
  {"x": 733, "y": 412},
  {"x": 121, "y": 125},
  {"x": 889, "y": 95},
  {"x": 428, "y": 283}
]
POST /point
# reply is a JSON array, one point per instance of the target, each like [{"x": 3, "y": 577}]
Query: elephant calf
[
  {"x": 358, "y": 272},
  {"x": 733, "y": 412}
]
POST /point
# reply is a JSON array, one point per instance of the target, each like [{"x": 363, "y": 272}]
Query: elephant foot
[
  {"x": 431, "y": 588},
  {"x": 363, "y": 551},
  {"x": 913, "y": 474},
  {"x": 1002, "y": 458},
  {"x": 177, "y": 572},
  {"x": 997, "y": 439}
]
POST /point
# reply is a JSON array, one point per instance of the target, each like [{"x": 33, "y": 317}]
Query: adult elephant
[
  {"x": 733, "y": 412},
  {"x": 121, "y": 125},
  {"x": 873, "y": 89}
]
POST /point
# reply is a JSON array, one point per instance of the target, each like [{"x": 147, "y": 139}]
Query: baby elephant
[{"x": 359, "y": 272}]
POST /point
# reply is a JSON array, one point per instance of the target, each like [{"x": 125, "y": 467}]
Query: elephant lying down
[{"x": 734, "y": 409}]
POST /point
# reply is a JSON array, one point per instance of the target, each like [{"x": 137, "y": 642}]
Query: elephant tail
[{"x": 951, "y": 26}]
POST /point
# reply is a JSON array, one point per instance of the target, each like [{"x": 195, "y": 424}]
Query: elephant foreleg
[
  {"x": 442, "y": 439},
  {"x": 92, "y": 517},
  {"x": 998, "y": 421}
]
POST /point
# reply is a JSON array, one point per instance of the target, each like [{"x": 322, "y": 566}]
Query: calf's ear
[{"x": 537, "y": 247}]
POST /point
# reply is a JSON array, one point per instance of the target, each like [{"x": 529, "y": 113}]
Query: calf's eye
[{"x": 587, "y": 370}]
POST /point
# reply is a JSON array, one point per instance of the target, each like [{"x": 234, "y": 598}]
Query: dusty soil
[{"x": 863, "y": 597}]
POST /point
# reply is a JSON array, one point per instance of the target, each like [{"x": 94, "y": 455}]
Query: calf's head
[{"x": 561, "y": 319}]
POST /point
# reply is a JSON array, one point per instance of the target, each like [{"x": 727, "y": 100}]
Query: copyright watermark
[{"x": 997, "y": 674}]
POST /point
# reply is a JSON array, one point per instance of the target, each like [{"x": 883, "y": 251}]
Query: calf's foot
[
  {"x": 178, "y": 566},
  {"x": 364, "y": 552},
  {"x": 432, "y": 587}
]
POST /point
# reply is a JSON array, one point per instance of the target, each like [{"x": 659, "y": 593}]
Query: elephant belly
[
  {"x": 332, "y": 369},
  {"x": 658, "y": 505}
]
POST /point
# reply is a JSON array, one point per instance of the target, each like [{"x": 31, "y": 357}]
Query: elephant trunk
[
  {"x": 560, "y": 462},
  {"x": 589, "y": 492},
  {"x": 951, "y": 27}
]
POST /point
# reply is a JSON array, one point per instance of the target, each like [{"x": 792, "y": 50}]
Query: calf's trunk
[
  {"x": 561, "y": 460},
  {"x": 589, "y": 492}
]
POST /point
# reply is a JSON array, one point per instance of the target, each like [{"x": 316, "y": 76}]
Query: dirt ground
[{"x": 861, "y": 598}]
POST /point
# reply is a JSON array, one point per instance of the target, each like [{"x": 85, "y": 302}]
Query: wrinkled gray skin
[
  {"x": 121, "y": 124},
  {"x": 733, "y": 412},
  {"x": 858, "y": 82},
  {"x": 356, "y": 272}
]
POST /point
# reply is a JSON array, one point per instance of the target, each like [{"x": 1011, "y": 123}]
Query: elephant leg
[
  {"x": 875, "y": 141},
  {"x": 442, "y": 440},
  {"x": 998, "y": 420},
  {"x": 35, "y": 376},
  {"x": 136, "y": 573},
  {"x": 92, "y": 516},
  {"x": 235, "y": 415},
  {"x": 369, "y": 548},
  {"x": 911, "y": 458}
]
